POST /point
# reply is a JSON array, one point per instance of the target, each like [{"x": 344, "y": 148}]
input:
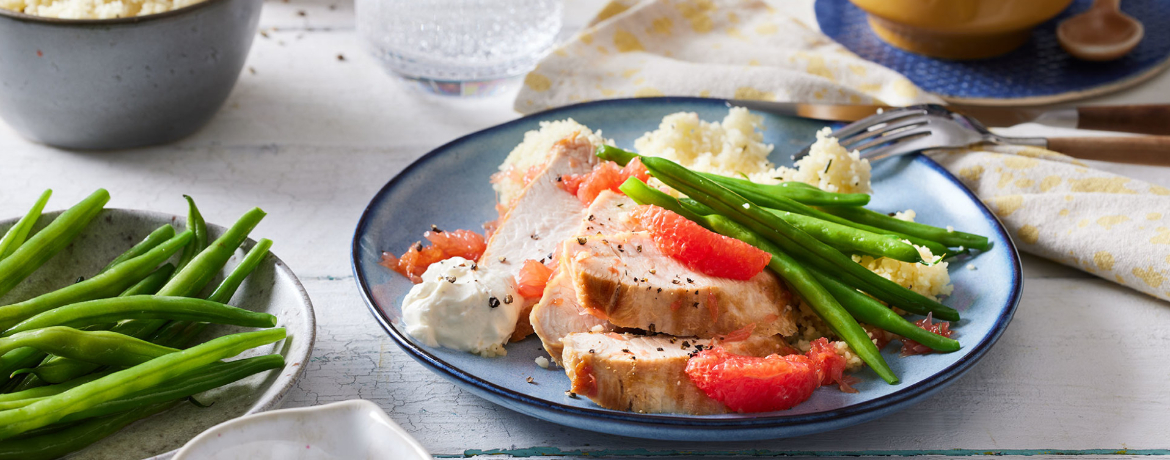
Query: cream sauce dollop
[{"x": 463, "y": 307}]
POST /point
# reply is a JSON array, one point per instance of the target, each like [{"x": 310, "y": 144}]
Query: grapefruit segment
[
  {"x": 532, "y": 279},
  {"x": 605, "y": 176},
  {"x": 444, "y": 245},
  {"x": 700, "y": 249},
  {"x": 772, "y": 383}
]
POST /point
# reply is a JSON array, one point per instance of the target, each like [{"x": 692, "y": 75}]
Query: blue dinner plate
[{"x": 449, "y": 187}]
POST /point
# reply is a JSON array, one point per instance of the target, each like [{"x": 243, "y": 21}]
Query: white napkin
[{"x": 1054, "y": 206}]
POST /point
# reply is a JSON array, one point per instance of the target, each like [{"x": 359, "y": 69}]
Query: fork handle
[
  {"x": 1141, "y": 119},
  {"x": 1146, "y": 150}
]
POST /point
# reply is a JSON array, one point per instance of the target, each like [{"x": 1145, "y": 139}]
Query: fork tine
[
  {"x": 914, "y": 145},
  {"x": 895, "y": 138},
  {"x": 885, "y": 117},
  {"x": 888, "y": 128},
  {"x": 865, "y": 123}
]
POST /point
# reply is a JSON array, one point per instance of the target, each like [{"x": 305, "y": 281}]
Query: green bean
[
  {"x": 868, "y": 310},
  {"x": 144, "y": 307},
  {"x": 50, "y": 240},
  {"x": 797, "y": 191},
  {"x": 101, "y": 347},
  {"x": 55, "y": 369},
  {"x": 155, "y": 238},
  {"x": 802, "y": 193},
  {"x": 886, "y": 222},
  {"x": 815, "y": 295},
  {"x": 247, "y": 265},
  {"x": 205, "y": 378},
  {"x": 19, "y": 231},
  {"x": 25, "y": 397},
  {"x": 106, "y": 284},
  {"x": 617, "y": 155},
  {"x": 196, "y": 224},
  {"x": 798, "y": 243},
  {"x": 59, "y": 443},
  {"x": 179, "y": 333},
  {"x": 852, "y": 240},
  {"x": 130, "y": 381}
]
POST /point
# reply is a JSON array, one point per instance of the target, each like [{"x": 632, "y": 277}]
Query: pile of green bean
[
  {"x": 812, "y": 235},
  {"x": 81, "y": 362}
]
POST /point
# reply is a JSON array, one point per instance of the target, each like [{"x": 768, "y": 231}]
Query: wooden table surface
[{"x": 310, "y": 137}]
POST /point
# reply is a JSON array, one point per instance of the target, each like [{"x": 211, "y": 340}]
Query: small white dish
[{"x": 354, "y": 429}]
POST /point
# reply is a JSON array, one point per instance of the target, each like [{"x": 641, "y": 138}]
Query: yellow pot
[{"x": 958, "y": 29}]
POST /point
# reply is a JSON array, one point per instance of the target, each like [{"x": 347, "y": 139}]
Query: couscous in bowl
[{"x": 100, "y": 84}]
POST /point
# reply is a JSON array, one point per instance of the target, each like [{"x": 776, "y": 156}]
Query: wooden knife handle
[
  {"x": 1141, "y": 119},
  {"x": 1146, "y": 150}
]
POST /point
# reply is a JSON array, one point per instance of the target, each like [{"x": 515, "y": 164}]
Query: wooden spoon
[{"x": 1103, "y": 33}]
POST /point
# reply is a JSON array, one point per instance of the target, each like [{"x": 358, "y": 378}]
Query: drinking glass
[{"x": 459, "y": 47}]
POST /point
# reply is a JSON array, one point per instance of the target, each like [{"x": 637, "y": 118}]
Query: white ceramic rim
[{"x": 352, "y": 404}]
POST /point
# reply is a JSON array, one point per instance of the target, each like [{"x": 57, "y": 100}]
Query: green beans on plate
[
  {"x": 797, "y": 276},
  {"x": 792, "y": 240},
  {"x": 75, "y": 365}
]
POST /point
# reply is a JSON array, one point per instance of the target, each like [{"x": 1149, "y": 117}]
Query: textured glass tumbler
[{"x": 459, "y": 47}]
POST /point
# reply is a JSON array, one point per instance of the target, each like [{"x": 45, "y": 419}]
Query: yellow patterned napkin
[
  {"x": 1058, "y": 208},
  {"x": 726, "y": 49},
  {"x": 1054, "y": 206}
]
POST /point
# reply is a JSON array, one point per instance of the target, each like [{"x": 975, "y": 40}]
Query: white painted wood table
[{"x": 315, "y": 127}]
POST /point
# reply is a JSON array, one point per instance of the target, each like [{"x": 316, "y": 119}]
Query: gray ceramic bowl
[
  {"x": 271, "y": 288},
  {"x": 121, "y": 83}
]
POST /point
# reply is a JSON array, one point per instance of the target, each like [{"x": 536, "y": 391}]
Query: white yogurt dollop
[{"x": 463, "y": 309}]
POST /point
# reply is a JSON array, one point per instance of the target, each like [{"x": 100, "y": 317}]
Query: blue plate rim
[{"x": 857, "y": 412}]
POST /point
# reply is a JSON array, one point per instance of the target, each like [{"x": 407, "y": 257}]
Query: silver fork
[{"x": 914, "y": 129}]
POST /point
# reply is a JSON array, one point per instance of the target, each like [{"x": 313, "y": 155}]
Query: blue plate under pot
[{"x": 449, "y": 187}]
